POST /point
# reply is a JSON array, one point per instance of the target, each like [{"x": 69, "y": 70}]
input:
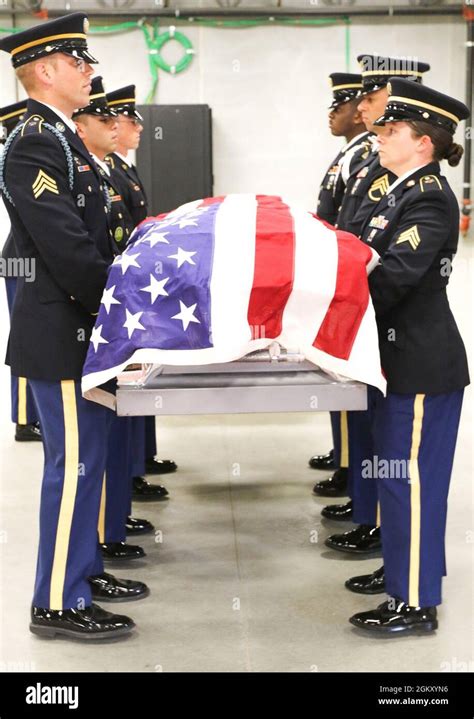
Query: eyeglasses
[
  {"x": 79, "y": 63},
  {"x": 131, "y": 120}
]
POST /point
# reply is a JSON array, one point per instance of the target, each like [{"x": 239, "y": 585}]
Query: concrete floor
[{"x": 238, "y": 581}]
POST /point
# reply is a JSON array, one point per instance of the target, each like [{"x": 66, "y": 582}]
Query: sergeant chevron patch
[
  {"x": 378, "y": 188},
  {"x": 411, "y": 235},
  {"x": 44, "y": 183}
]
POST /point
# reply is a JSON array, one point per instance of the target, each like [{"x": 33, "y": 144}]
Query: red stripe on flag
[
  {"x": 341, "y": 323},
  {"x": 274, "y": 267}
]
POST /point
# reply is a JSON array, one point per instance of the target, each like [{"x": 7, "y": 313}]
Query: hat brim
[
  {"x": 336, "y": 103},
  {"x": 381, "y": 121},
  {"x": 95, "y": 112},
  {"x": 79, "y": 52},
  {"x": 369, "y": 91}
]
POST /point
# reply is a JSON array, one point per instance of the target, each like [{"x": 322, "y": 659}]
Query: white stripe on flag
[
  {"x": 314, "y": 283},
  {"x": 232, "y": 273}
]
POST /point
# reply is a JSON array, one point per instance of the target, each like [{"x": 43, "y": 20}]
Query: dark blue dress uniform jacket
[
  {"x": 67, "y": 234},
  {"x": 118, "y": 211},
  {"x": 367, "y": 184},
  {"x": 131, "y": 189},
  {"x": 415, "y": 229},
  {"x": 332, "y": 189}
]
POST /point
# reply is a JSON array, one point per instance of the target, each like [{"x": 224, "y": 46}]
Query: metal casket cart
[{"x": 263, "y": 381}]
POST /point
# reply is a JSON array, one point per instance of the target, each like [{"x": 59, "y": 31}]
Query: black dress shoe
[
  {"x": 335, "y": 486},
  {"x": 91, "y": 623},
  {"x": 396, "y": 617},
  {"x": 368, "y": 583},
  {"x": 160, "y": 466},
  {"x": 119, "y": 551},
  {"x": 338, "y": 512},
  {"x": 323, "y": 461},
  {"x": 364, "y": 539},
  {"x": 134, "y": 525},
  {"x": 107, "y": 588},
  {"x": 143, "y": 491},
  {"x": 28, "y": 432}
]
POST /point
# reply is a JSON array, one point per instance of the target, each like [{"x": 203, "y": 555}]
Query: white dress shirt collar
[
  {"x": 403, "y": 177},
  {"x": 65, "y": 119},
  {"x": 125, "y": 159}
]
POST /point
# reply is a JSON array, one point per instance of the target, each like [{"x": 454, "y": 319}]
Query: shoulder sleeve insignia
[
  {"x": 379, "y": 188},
  {"x": 44, "y": 183},
  {"x": 430, "y": 182},
  {"x": 411, "y": 235}
]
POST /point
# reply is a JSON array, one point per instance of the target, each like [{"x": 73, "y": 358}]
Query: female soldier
[{"x": 415, "y": 229}]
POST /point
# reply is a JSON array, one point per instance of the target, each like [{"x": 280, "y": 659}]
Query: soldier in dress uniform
[
  {"x": 415, "y": 229},
  {"x": 124, "y": 171},
  {"x": 367, "y": 183},
  {"x": 23, "y": 410},
  {"x": 55, "y": 199},
  {"x": 344, "y": 121},
  {"x": 97, "y": 127}
]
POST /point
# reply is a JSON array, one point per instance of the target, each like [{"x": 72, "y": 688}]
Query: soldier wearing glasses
[{"x": 55, "y": 199}]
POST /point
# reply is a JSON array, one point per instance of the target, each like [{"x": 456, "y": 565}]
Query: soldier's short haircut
[{"x": 26, "y": 74}]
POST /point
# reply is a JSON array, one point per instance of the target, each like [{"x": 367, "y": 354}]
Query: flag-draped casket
[{"x": 224, "y": 276}]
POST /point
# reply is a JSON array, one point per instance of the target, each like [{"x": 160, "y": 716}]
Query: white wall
[{"x": 268, "y": 90}]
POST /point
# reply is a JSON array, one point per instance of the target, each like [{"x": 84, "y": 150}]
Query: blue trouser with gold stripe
[
  {"x": 117, "y": 485},
  {"x": 414, "y": 440},
  {"x": 75, "y": 434},
  {"x": 352, "y": 444},
  {"x": 22, "y": 402}
]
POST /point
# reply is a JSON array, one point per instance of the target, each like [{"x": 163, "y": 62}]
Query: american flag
[{"x": 224, "y": 276}]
